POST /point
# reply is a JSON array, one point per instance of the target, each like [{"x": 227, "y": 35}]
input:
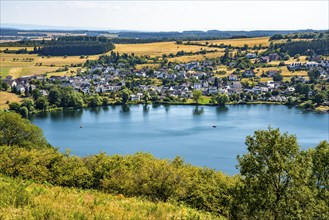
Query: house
[
  {"x": 232, "y": 77},
  {"x": 197, "y": 85},
  {"x": 273, "y": 56},
  {"x": 248, "y": 73},
  {"x": 223, "y": 90},
  {"x": 134, "y": 97},
  {"x": 139, "y": 95},
  {"x": 251, "y": 55},
  {"x": 140, "y": 74},
  {"x": 9, "y": 77},
  {"x": 212, "y": 90},
  {"x": 177, "y": 67},
  {"x": 235, "y": 87},
  {"x": 300, "y": 79},
  {"x": 295, "y": 66},
  {"x": 192, "y": 65},
  {"x": 265, "y": 59},
  {"x": 44, "y": 92},
  {"x": 272, "y": 73},
  {"x": 256, "y": 90},
  {"x": 311, "y": 64},
  {"x": 204, "y": 84},
  {"x": 20, "y": 88},
  {"x": 325, "y": 63},
  {"x": 270, "y": 85},
  {"x": 290, "y": 89}
]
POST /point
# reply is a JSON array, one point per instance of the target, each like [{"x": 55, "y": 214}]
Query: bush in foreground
[{"x": 28, "y": 200}]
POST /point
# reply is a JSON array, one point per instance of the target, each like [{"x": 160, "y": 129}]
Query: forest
[
  {"x": 71, "y": 46},
  {"x": 317, "y": 46}
]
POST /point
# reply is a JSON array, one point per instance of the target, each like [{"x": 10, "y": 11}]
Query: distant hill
[{"x": 172, "y": 35}]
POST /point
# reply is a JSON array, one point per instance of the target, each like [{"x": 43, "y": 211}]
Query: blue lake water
[{"x": 169, "y": 131}]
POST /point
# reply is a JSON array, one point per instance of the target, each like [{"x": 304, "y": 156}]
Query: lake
[{"x": 169, "y": 131}]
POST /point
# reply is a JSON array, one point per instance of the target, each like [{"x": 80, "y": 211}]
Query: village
[{"x": 180, "y": 80}]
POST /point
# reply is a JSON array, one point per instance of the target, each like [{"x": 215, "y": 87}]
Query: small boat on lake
[{"x": 214, "y": 126}]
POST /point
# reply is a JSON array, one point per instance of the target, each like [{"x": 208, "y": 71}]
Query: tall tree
[
  {"x": 274, "y": 178},
  {"x": 197, "y": 95},
  {"x": 15, "y": 130}
]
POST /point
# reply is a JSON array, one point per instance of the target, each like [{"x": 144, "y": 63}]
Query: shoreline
[{"x": 323, "y": 110}]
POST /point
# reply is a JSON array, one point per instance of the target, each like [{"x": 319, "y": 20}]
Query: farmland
[
  {"x": 6, "y": 97},
  {"x": 156, "y": 49},
  {"x": 18, "y": 65},
  {"x": 264, "y": 41}
]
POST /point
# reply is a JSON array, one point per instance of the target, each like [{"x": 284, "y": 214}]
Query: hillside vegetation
[
  {"x": 28, "y": 200},
  {"x": 277, "y": 180}
]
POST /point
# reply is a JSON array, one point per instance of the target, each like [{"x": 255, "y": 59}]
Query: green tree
[
  {"x": 220, "y": 99},
  {"x": 105, "y": 101},
  {"x": 4, "y": 86},
  {"x": 36, "y": 94},
  {"x": 54, "y": 96},
  {"x": 197, "y": 95},
  {"x": 14, "y": 130},
  {"x": 313, "y": 74},
  {"x": 319, "y": 97},
  {"x": 125, "y": 94},
  {"x": 94, "y": 101},
  {"x": 24, "y": 112},
  {"x": 277, "y": 77},
  {"x": 274, "y": 178},
  {"x": 320, "y": 178},
  {"x": 41, "y": 103},
  {"x": 29, "y": 104},
  {"x": 15, "y": 106}
]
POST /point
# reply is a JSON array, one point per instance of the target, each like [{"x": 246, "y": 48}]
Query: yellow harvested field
[
  {"x": 157, "y": 49},
  {"x": 223, "y": 68},
  {"x": 17, "y": 65},
  {"x": 6, "y": 96},
  {"x": 148, "y": 65},
  {"x": 290, "y": 61},
  {"x": 61, "y": 61},
  {"x": 16, "y": 48},
  {"x": 284, "y": 71},
  {"x": 71, "y": 72},
  {"x": 185, "y": 59},
  {"x": 264, "y": 41}
]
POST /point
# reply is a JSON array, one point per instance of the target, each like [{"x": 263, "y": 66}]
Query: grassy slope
[
  {"x": 7, "y": 96},
  {"x": 27, "y": 200}
]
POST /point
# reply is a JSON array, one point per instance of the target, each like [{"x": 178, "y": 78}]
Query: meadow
[
  {"x": 6, "y": 97},
  {"x": 264, "y": 41},
  {"x": 27, "y": 200},
  {"x": 157, "y": 49},
  {"x": 17, "y": 65}
]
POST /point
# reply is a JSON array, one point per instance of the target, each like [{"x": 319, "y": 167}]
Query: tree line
[
  {"x": 76, "y": 45},
  {"x": 277, "y": 179},
  {"x": 128, "y": 60},
  {"x": 319, "y": 47}
]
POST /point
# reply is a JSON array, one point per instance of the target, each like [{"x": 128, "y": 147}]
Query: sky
[{"x": 169, "y": 15}]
